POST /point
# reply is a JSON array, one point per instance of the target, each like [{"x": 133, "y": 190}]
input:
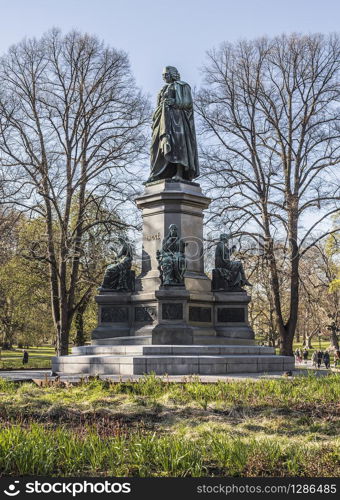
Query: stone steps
[
  {"x": 173, "y": 349},
  {"x": 147, "y": 340},
  {"x": 133, "y": 340},
  {"x": 171, "y": 360}
]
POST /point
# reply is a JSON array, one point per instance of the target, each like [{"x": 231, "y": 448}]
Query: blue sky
[{"x": 158, "y": 32}]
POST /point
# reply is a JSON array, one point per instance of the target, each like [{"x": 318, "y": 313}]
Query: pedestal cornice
[{"x": 180, "y": 193}]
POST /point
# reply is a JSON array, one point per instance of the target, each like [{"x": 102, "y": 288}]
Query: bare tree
[
  {"x": 71, "y": 129},
  {"x": 329, "y": 254},
  {"x": 316, "y": 304},
  {"x": 261, "y": 308},
  {"x": 270, "y": 116}
]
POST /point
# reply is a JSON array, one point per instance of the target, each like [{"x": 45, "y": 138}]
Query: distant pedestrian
[
  {"x": 320, "y": 356},
  {"x": 305, "y": 355},
  {"x": 327, "y": 359},
  {"x": 297, "y": 354},
  {"x": 315, "y": 359},
  {"x": 25, "y": 358},
  {"x": 336, "y": 358}
]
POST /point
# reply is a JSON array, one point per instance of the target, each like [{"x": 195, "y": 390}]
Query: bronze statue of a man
[
  {"x": 174, "y": 147},
  {"x": 230, "y": 271}
]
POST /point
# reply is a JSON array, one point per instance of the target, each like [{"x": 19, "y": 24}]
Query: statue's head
[
  {"x": 224, "y": 237},
  {"x": 170, "y": 74},
  {"x": 173, "y": 230}
]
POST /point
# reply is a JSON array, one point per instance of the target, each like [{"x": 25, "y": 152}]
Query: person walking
[
  {"x": 297, "y": 355},
  {"x": 305, "y": 355},
  {"x": 25, "y": 357},
  {"x": 336, "y": 358},
  {"x": 315, "y": 359},
  {"x": 320, "y": 356},
  {"x": 327, "y": 359}
]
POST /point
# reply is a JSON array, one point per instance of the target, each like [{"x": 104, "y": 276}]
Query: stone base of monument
[
  {"x": 170, "y": 359},
  {"x": 189, "y": 329},
  {"x": 172, "y": 331},
  {"x": 175, "y": 315}
]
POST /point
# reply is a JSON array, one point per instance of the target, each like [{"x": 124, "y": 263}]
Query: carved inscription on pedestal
[
  {"x": 172, "y": 310},
  {"x": 200, "y": 314},
  {"x": 111, "y": 314},
  {"x": 145, "y": 313},
  {"x": 153, "y": 236},
  {"x": 230, "y": 315}
]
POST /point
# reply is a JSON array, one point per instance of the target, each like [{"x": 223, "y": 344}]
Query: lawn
[
  {"x": 281, "y": 427},
  {"x": 323, "y": 345},
  {"x": 38, "y": 357}
]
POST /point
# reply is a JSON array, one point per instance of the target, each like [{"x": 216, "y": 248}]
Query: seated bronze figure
[
  {"x": 118, "y": 276},
  {"x": 228, "y": 274},
  {"x": 171, "y": 258}
]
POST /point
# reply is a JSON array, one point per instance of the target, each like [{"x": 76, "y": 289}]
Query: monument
[{"x": 172, "y": 318}]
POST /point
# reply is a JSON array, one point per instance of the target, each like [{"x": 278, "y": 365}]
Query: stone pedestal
[
  {"x": 114, "y": 315},
  {"x": 174, "y": 315},
  {"x": 231, "y": 315},
  {"x": 173, "y": 326},
  {"x": 168, "y": 202}
]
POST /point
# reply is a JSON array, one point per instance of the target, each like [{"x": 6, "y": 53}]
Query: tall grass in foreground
[
  {"x": 100, "y": 427},
  {"x": 304, "y": 389},
  {"x": 309, "y": 389},
  {"x": 38, "y": 451}
]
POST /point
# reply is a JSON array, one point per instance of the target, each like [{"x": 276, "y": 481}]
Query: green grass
[
  {"x": 281, "y": 427},
  {"x": 37, "y": 451},
  {"x": 38, "y": 357},
  {"x": 323, "y": 345}
]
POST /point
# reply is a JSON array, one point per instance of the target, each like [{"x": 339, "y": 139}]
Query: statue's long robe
[
  {"x": 222, "y": 256},
  {"x": 173, "y": 134}
]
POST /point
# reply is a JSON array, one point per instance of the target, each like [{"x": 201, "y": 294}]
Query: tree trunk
[
  {"x": 62, "y": 344},
  {"x": 334, "y": 339},
  {"x": 65, "y": 327},
  {"x": 286, "y": 341},
  {"x": 288, "y": 330},
  {"x": 79, "y": 319},
  {"x": 297, "y": 335},
  {"x": 308, "y": 343},
  {"x": 79, "y": 322}
]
